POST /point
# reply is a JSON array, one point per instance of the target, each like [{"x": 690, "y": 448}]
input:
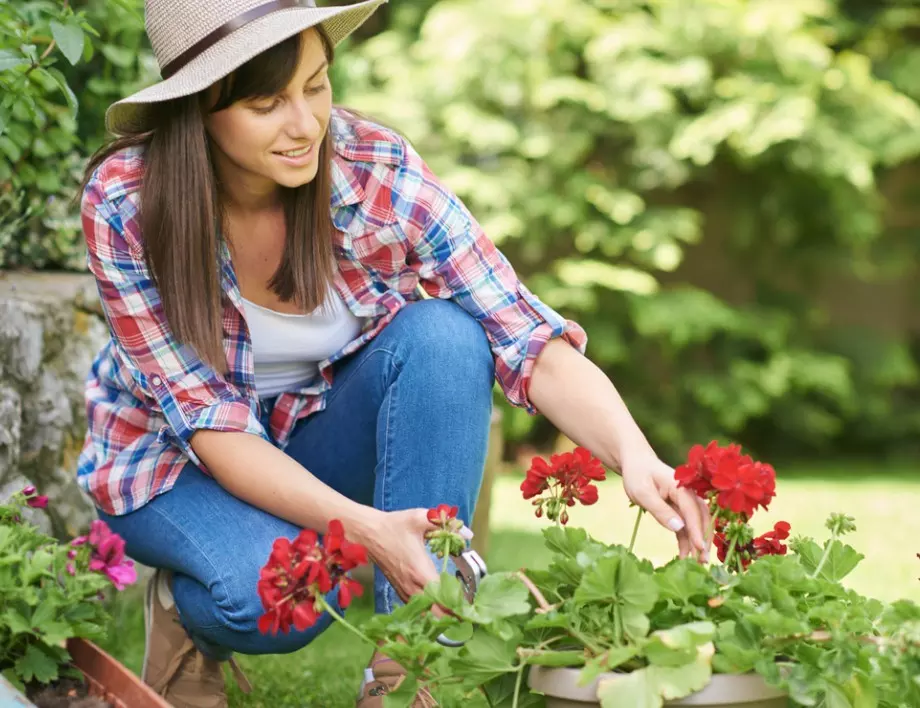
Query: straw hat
[{"x": 197, "y": 42}]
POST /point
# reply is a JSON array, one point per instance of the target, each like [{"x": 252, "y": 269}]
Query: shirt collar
[{"x": 356, "y": 141}]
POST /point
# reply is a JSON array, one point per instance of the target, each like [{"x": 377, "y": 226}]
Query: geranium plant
[
  {"x": 51, "y": 591},
  {"x": 773, "y": 605}
]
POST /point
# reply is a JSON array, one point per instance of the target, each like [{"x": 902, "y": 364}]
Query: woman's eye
[
  {"x": 316, "y": 89},
  {"x": 265, "y": 108}
]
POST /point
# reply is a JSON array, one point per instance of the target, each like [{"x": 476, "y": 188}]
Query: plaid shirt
[{"x": 397, "y": 227}]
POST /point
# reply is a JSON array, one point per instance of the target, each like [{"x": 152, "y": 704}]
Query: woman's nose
[{"x": 302, "y": 122}]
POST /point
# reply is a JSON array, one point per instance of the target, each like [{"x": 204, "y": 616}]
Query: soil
[{"x": 66, "y": 693}]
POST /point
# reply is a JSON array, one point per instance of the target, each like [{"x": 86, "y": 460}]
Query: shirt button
[{"x": 156, "y": 380}]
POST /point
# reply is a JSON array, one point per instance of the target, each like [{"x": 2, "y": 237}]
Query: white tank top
[{"x": 287, "y": 349}]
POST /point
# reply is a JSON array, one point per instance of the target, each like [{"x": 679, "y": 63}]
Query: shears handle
[{"x": 471, "y": 569}]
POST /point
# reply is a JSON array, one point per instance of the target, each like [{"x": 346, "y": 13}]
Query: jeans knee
[
  {"x": 447, "y": 337},
  {"x": 239, "y": 609}
]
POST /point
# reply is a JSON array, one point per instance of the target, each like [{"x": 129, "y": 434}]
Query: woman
[{"x": 259, "y": 255}]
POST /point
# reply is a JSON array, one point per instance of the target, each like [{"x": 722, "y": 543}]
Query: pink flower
[
  {"x": 36, "y": 502},
  {"x": 71, "y": 569},
  {"x": 109, "y": 556}
]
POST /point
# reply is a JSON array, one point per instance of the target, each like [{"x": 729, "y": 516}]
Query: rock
[{"x": 51, "y": 327}]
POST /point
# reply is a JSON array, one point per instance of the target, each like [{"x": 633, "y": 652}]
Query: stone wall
[{"x": 51, "y": 327}]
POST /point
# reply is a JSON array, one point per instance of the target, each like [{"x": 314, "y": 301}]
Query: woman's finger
[
  {"x": 685, "y": 501},
  {"x": 649, "y": 498}
]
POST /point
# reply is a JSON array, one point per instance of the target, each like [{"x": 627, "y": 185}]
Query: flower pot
[
  {"x": 560, "y": 686},
  {"x": 109, "y": 679}
]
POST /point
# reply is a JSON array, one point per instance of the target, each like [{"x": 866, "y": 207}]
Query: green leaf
[
  {"x": 651, "y": 686},
  {"x": 609, "y": 660},
  {"x": 70, "y": 39},
  {"x": 10, "y": 59},
  {"x": 500, "y": 694},
  {"x": 617, "y": 579},
  {"x": 500, "y": 595},
  {"x": 840, "y": 563},
  {"x": 683, "y": 579},
  {"x": 486, "y": 657},
  {"x": 678, "y": 645},
  {"x": 404, "y": 695},
  {"x": 549, "y": 657},
  {"x": 69, "y": 95},
  {"x": 568, "y": 541},
  {"x": 15, "y": 622},
  {"x": 36, "y": 665},
  {"x": 634, "y": 689}
]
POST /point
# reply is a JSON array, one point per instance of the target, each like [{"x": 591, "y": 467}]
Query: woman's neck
[{"x": 245, "y": 193}]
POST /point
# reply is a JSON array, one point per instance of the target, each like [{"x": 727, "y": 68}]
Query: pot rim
[{"x": 722, "y": 688}]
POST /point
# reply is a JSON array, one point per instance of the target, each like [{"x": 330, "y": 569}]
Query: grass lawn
[{"x": 885, "y": 503}]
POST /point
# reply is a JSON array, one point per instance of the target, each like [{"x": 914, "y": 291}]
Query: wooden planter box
[
  {"x": 106, "y": 678},
  {"x": 110, "y": 680}
]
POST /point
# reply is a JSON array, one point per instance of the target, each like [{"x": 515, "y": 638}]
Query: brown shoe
[
  {"x": 173, "y": 666},
  {"x": 382, "y": 676}
]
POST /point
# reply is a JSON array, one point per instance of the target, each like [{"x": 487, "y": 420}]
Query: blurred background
[{"x": 724, "y": 193}]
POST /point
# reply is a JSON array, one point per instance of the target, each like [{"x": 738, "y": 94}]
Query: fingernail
[
  {"x": 676, "y": 524},
  {"x": 466, "y": 533}
]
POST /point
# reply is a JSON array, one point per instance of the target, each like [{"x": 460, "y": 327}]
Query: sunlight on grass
[{"x": 886, "y": 509}]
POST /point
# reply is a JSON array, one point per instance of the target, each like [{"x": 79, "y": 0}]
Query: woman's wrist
[{"x": 363, "y": 524}]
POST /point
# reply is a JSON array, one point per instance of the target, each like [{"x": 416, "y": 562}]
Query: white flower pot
[{"x": 560, "y": 686}]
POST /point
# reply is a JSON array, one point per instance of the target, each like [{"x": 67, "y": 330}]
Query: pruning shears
[{"x": 471, "y": 569}]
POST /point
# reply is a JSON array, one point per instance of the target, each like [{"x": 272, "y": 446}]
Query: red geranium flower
[
  {"x": 770, "y": 543},
  {"x": 569, "y": 478},
  {"x": 299, "y": 573},
  {"x": 743, "y": 487}
]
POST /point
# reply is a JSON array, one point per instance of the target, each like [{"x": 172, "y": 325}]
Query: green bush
[
  {"x": 51, "y": 53},
  {"x": 601, "y": 142},
  {"x": 603, "y": 145}
]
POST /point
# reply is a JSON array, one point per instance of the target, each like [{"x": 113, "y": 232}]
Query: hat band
[{"x": 227, "y": 29}]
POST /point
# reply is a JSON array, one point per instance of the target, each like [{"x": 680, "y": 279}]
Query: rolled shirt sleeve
[
  {"x": 189, "y": 393},
  {"x": 455, "y": 260}
]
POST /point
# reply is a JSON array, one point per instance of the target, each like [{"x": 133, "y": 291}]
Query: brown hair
[{"x": 181, "y": 210}]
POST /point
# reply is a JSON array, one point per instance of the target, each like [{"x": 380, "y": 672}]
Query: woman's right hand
[{"x": 395, "y": 541}]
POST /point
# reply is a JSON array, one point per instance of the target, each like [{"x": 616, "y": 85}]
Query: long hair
[{"x": 181, "y": 216}]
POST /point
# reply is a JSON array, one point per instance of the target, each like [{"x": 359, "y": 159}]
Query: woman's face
[{"x": 264, "y": 142}]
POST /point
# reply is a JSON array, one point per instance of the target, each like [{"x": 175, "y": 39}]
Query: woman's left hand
[{"x": 650, "y": 483}]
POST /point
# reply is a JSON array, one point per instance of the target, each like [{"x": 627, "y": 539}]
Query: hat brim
[{"x": 131, "y": 115}]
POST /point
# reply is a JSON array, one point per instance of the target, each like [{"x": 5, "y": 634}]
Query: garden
[{"x": 722, "y": 192}]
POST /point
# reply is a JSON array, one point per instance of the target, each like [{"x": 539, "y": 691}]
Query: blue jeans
[{"x": 405, "y": 426}]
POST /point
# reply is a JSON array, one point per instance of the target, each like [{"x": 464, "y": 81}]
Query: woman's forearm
[
  {"x": 579, "y": 399},
  {"x": 257, "y": 472}
]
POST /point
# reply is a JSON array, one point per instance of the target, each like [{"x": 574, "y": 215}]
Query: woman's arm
[
  {"x": 584, "y": 404},
  {"x": 260, "y": 474}
]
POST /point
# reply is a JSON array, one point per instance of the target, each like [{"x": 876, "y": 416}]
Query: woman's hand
[
  {"x": 395, "y": 541},
  {"x": 650, "y": 483}
]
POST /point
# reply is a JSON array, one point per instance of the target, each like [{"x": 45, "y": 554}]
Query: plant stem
[
  {"x": 635, "y": 531},
  {"x": 824, "y": 556},
  {"x": 517, "y": 686},
  {"x": 730, "y": 555},
  {"x": 617, "y": 625},
  {"x": 444, "y": 563},
  {"x": 535, "y": 591},
  {"x": 345, "y": 623}
]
